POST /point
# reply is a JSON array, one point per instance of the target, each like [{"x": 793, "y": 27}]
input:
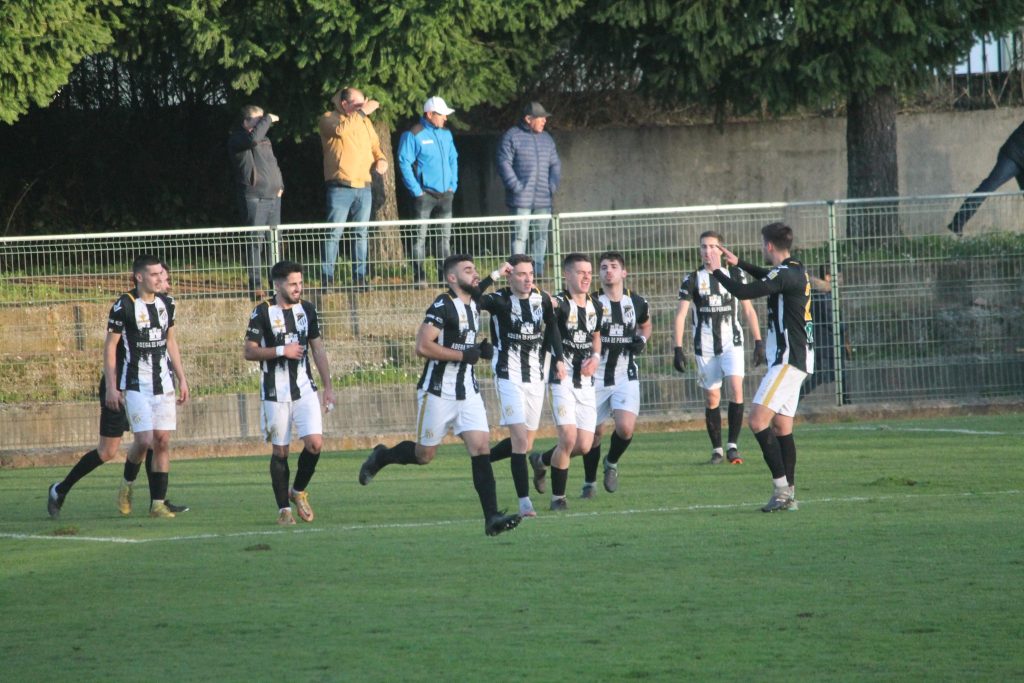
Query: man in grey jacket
[
  {"x": 530, "y": 169},
  {"x": 258, "y": 184}
]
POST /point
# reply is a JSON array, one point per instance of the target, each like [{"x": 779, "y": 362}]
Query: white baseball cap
[{"x": 438, "y": 105}]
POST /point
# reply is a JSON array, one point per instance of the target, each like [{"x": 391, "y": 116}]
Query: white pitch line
[
  {"x": 454, "y": 522},
  {"x": 886, "y": 428}
]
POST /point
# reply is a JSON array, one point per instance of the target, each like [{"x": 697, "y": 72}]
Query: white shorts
[
  {"x": 277, "y": 418},
  {"x": 624, "y": 396},
  {"x": 147, "y": 412},
  {"x": 572, "y": 406},
  {"x": 780, "y": 389},
  {"x": 520, "y": 403},
  {"x": 713, "y": 370},
  {"x": 437, "y": 415}
]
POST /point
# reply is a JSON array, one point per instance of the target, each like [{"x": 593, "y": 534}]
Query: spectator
[
  {"x": 531, "y": 171},
  {"x": 258, "y": 184},
  {"x": 351, "y": 149},
  {"x": 824, "y": 341},
  {"x": 430, "y": 171}
]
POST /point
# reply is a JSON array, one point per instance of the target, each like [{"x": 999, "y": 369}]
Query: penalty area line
[{"x": 458, "y": 522}]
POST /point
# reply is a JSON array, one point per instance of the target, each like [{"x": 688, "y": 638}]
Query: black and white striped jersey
[
  {"x": 619, "y": 323},
  {"x": 459, "y": 323},
  {"x": 520, "y": 331},
  {"x": 142, "y": 363},
  {"x": 790, "y": 338},
  {"x": 283, "y": 379},
  {"x": 716, "y": 323},
  {"x": 576, "y": 326}
]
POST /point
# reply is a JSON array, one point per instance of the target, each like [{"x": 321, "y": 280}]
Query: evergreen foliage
[{"x": 41, "y": 41}]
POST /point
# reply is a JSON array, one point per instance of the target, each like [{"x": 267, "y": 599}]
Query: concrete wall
[{"x": 790, "y": 160}]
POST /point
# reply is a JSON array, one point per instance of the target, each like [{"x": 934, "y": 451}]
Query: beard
[{"x": 472, "y": 290}]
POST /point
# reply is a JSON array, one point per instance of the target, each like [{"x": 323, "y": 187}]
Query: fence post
[
  {"x": 275, "y": 246},
  {"x": 837, "y": 338},
  {"x": 556, "y": 249}
]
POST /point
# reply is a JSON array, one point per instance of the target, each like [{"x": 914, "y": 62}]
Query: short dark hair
[
  {"x": 454, "y": 260},
  {"x": 824, "y": 270},
  {"x": 144, "y": 261},
  {"x": 712, "y": 233},
  {"x": 516, "y": 259},
  {"x": 612, "y": 256},
  {"x": 282, "y": 269},
  {"x": 779, "y": 235},
  {"x": 575, "y": 257}
]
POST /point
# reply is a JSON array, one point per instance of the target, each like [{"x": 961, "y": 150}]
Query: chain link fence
[{"x": 915, "y": 311}]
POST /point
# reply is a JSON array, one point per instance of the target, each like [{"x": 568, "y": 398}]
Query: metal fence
[{"x": 916, "y": 312}]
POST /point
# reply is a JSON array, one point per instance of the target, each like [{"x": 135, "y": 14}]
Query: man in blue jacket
[
  {"x": 258, "y": 184},
  {"x": 429, "y": 166},
  {"x": 529, "y": 167}
]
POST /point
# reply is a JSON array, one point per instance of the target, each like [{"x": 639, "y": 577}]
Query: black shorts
[{"x": 113, "y": 423}]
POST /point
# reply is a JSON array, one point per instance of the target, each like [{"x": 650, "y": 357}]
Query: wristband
[
  {"x": 279, "y": 351},
  {"x": 495, "y": 275},
  {"x": 642, "y": 337}
]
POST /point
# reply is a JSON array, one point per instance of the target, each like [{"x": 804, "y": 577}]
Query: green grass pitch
[{"x": 904, "y": 562}]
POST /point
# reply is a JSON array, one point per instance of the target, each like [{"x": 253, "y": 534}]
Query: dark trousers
[
  {"x": 1005, "y": 169},
  {"x": 258, "y": 211},
  {"x": 432, "y": 205}
]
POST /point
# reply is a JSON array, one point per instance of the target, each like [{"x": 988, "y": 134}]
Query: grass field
[{"x": 905, "y": 562}]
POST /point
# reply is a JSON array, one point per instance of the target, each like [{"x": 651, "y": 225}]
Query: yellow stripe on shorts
[{"x": 775, "y": 385}]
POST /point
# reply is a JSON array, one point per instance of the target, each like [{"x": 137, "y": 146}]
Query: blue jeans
[
  {"x": 539, "y": 243},
  {"x": 1005, "y": 169},
  {"x": 346, "y": 204}
]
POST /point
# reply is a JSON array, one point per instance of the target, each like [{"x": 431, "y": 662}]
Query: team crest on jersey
[
  {"x": 628, "y": 313},
  {"x": 591, "y": 319},
  {"x": 163, "y": 317}
]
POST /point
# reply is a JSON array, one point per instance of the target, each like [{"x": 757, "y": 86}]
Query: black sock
[
  {"x": 158, "y": 485},
  {"x": 149, "y": 461},
  {"x": 735, "y": 421},
  {"x": 559, "y": 478},
  {"x": 483, "y": 482},
  {"x": 402, "y": 454},
  {"x": 546, "y": 457},
  {"x": 788, "y": 448},
  {"x": 771, "y": 451},
  {"x": 279, "y": 476},
  {"x": 618, "y": 447},
  {"x": 501, "y": 450},
  {"x": 520, "y": 474},
  {"x": 590, "y": 462},
  {"x": 713, "y": 421},
  {"x": 131, "y": 470},
  {"x": 307, "y": 466},
  {"x": 86, "y": 464}
]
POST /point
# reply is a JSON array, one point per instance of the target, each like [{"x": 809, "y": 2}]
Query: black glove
[
  {"x": 471, "y": 355},
  {"x": 759, "y": 357},
  {"x": 486, "y": 350},
  {"x": 679, "y": 360},
  {"x": 637, "y": 345}
]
